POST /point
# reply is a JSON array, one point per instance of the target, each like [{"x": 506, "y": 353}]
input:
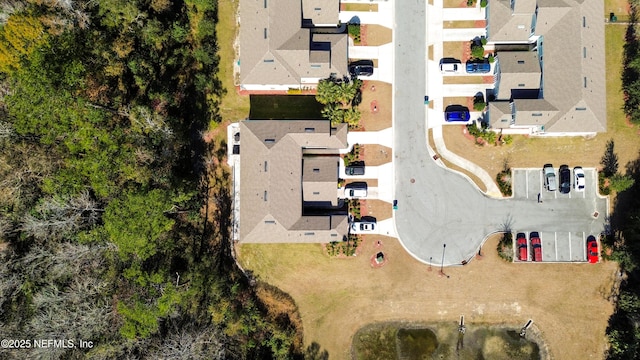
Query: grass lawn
[
  {"x": 233, "y": 106},
  {"x": 533, "y": 152},
  {"x": 619, "y": 7},
  {"x": 378, "y": 35},
  {"x": 453, "y": 49},
  {"x": 463, "y": 24},
  {"x": 360, "y": 7},
  {"x": 462, "y": 79},
  {"x": 337, "y": 297},
  {"x": 292, "y": 107},
  {"x": 454, "y": 4}
]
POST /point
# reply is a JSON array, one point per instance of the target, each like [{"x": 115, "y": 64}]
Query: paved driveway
[{"x": 436, "y": 206}]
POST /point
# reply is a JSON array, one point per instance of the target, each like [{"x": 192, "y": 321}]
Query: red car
[
  {"x": 521, "y": 243},
  {"x": 536, "y": 246},
  {"x": 592, "y": 249}
]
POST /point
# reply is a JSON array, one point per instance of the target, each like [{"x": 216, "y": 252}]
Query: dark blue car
[
  {"x": 457, "y": 115},
  {"x": 478, "y": 67}
]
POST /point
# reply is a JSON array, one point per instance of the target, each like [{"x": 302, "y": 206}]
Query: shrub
[
  {"x": 491, "y": 58},
  {"x": 504, "y": 182},
  {"x": 479, "y": 106},
  {"x": 604, "y": 190},
  {"x": 354, "y": 32},
  {"x": 483, "y": 3},
  {"x": 620, "y": 183},
  {"x": 505, "y": 247},
  {"x": 477, "y": 51},
  {"x": 507, "y": 139}
]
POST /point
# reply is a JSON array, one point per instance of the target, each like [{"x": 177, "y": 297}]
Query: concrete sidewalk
[
  {"x": 467, "y": 34},
  {"x": 492, "y": 188},
  {"x": 461, "y": 14},
  {"x": 382, "y": 137}
]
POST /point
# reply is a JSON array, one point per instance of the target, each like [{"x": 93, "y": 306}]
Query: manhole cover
[{"x": 413, "y": 180}]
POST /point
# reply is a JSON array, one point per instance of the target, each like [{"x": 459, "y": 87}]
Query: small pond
[{"x": 391, "y": 341}]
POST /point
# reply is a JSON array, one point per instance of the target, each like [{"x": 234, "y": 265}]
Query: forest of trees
[{"x": 114, "y": 217}]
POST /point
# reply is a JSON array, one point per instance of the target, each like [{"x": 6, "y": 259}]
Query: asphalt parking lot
[{"x": 557, "y": 245}]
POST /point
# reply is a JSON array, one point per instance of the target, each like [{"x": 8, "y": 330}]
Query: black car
[
  {"x": 361, "y": 68},
  {"x": 565, "y": 179},
  {"x": 354, "y": 170}
]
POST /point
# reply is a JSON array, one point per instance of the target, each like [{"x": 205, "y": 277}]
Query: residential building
[
  {"x": 550, "y": 71},
  {"x": 290, "y": 44},
  {"x": 289, "y": 182}
]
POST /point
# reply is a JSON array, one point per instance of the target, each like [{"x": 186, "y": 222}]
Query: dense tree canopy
[{"x": 116, "y": 221}]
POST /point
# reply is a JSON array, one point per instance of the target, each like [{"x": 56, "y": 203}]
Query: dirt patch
[
  {"x": 375, "y": 155},
  {"x": 454, "y": 49},
  {"x": 560, "y": 298},
  {"x": 378, "y": 35},
  {"x": 479, "y": 183},
  {"x": 377, "y": 208},
  {"x": 456, "y": 100},
  {"x": 463, "y": 80},
  {"x": 379, "y": 118}
]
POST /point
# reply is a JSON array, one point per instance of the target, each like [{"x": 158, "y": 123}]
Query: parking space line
[
  {"x": 526, "y": 178},
  {"x": 555, "y": 235},
  {"x": 584, "y": 245},
  {"x": 570, "y": 255},
  {"x": 540, "y": 182}
]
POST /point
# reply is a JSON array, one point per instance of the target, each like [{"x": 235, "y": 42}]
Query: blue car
[
  {"x": 459, "y": 115},
  {"x": 478, "y": 67}
]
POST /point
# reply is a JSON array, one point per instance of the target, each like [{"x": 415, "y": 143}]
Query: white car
[
  {"x": 579, "y": 182},
  {"x": 363, "y": 227}
]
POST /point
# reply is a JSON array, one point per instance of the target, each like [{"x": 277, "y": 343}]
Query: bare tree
[{"x": 58, "y": 217}]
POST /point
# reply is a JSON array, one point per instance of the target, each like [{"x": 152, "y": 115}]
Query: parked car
[
  {"x": 478, "y": 67},
  {"x": 536, "y": 246},
  {"x": 579, "y": 181},
  {"x": 354, "y": 170},
  {"x": 360, "y": 227},
  {"x": 456, "y": 113},
  {"x": 450, "y": 65},
  {"x": 565, "y": 179},
  {"x": 549, "y": 177},
  {"x": 356, "y": 190},
  {"x": 361, "y": 68},
  {"x": 521, "y": 242},
  {"x": 592, "y": 249}
]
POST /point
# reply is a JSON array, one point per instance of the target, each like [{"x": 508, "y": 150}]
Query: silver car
[{"x": 549, "y": 174}]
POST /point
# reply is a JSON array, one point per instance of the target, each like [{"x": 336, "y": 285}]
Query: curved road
[{"x": 437, "y": 206}]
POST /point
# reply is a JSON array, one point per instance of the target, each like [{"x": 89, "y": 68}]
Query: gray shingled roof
[
  {"x": 273, "y": 175},
  {"x": 519, "y": 70},
  {"x": 321, "y": 12},
  {"x": 570, "y": 38},
  {"x": 276, "y": 50},
  {"x": 504, "y": 25}
]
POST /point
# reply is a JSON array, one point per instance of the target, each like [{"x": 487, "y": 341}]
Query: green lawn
[
  {"x": 614, "y": 43},
  {"x": 299, "y": 107}
]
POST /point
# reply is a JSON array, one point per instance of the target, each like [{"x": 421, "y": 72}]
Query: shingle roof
[
  {"x": 320, "y": 12},
  {"x": 570, "y": 46},
  {"x": 506, "y": 25},
  {"x": 275, "y": 48},
  {"x": 272, "y": 172},
  {"x": 519, "y": 70}
]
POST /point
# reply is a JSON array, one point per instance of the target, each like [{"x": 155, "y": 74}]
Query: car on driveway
[
  {"x": 565, "y": 179},
  {"x": 592, "y": 249},
  {"x": 354, "y": 170},
  {"x": 549, "y": 177},
  {"x": 482, "y": 67},
  {"x": 363, "y": 227},
  {"x": 536, "y": 246},
  {"x": 361, "y": 68},
  {"x": 521, "y": 243},
  {"x": 450, "y": 65},
  {"x": 579, "y": 181},
  {"x": 456, "y": 113},
  {"x": 356, "y": 190}
]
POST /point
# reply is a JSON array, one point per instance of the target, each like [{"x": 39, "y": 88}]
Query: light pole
[{"x": 444, "y": 247}]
